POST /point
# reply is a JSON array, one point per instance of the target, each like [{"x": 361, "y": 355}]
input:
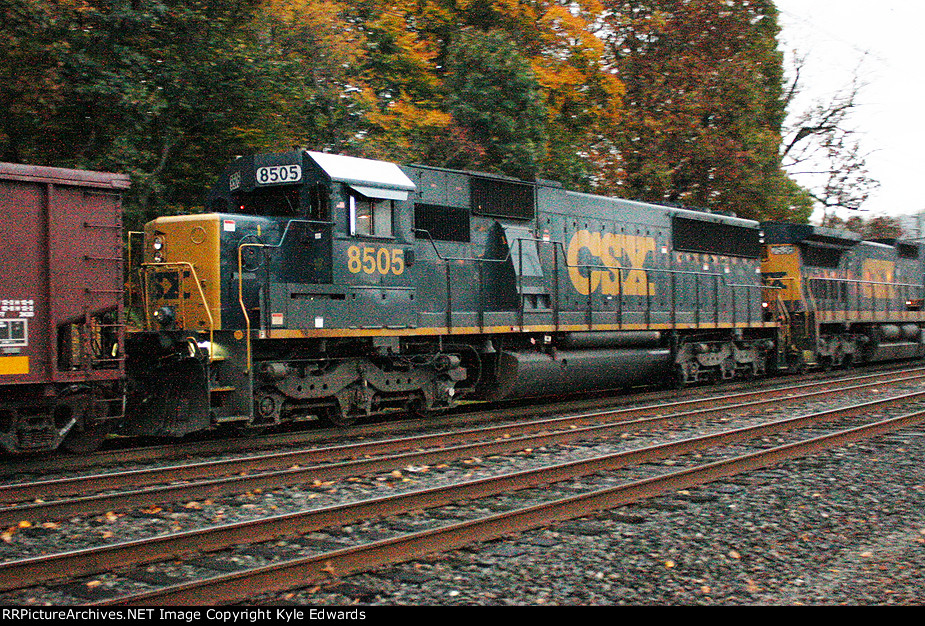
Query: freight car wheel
[{"x": 88, "y": 432}]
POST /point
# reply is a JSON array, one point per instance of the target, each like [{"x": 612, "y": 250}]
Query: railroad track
[
  {"x": 56, "y": 499},
  {"x": 329, "y": 562},
  {"x": 481, "y": 414}
]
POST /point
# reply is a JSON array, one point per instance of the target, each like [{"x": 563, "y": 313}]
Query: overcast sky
[{"x": 884, "y": 44}]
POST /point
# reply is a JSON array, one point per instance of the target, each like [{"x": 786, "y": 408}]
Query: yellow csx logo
[
  {"x": 878, "y": 271},
  {"x": 612, "y": 250}
]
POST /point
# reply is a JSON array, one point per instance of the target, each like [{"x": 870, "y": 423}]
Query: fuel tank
[{"x": 534, "y": 374}]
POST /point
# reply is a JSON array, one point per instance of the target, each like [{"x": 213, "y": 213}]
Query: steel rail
[
  {"x": 181, "y": 450},
  {"x": 23, "y": 492},
  {"x": 322, "y": 568},
  {"x": 212, "y": 488},
  {"x": 26, "y": 572}
]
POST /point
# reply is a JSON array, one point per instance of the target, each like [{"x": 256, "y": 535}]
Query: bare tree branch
[{"x": 820, "y": 145}]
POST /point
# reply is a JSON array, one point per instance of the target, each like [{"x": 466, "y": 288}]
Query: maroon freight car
[{"x": 61, "y": 318}]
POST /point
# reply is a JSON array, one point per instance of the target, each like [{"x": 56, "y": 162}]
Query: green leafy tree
[
  {"x": 661, "y": 100},
  {"x": 703, "y": 105},
  {"x": 169, "y": 91},
  {"x": 158, "y": 90},
  {"x": 494, "y": 93},
  {"x": 315, "y": 98},
  {"x": 32, "y": 85}
]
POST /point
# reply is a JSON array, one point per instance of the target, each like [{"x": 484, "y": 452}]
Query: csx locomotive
[{"x": 332, "y": 287}]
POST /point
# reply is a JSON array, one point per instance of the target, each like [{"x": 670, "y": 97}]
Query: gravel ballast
[{"x": 844, "y": 527}]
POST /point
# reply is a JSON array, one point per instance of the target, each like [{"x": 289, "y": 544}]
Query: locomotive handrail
[
  {"x": 279, "y": 244},
  {"x": 289, "y": 223},
  {"x": 202, "y": 295},
  {"x": 864, "y": 283},
  {"x": 561, "y": 246},
  {"x": 128, "y": 263},
  {"x": 247, "y": 317},
  {"x": 719, "y": 277},
  {"x": 456, "y": 258}
]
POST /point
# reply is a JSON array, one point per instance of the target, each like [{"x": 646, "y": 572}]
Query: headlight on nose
[
  {"x": 164, "y": 316},
  {"x": 158, "y": 246}
]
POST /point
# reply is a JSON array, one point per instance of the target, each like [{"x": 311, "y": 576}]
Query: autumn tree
[
  {"x": 661, "y": 100},
  {"x": 316, "y": 100},
  {"x": 583, "y": 94},
  {"x": 423, "y": 106},
  {"x": 703, "y": 108}
]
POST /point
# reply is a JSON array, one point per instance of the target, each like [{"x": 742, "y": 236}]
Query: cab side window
[{"x": 370, "y": 217}]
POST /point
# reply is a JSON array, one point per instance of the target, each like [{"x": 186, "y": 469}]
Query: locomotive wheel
[
  {"x": 88, "y": 433},
  {"x": 417, "y": 407},
  {"x": 334, "y": 415},
  {"x": 268, "y": 406}
]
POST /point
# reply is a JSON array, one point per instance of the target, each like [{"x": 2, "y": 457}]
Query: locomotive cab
[{"x": 298, "y": 246}]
